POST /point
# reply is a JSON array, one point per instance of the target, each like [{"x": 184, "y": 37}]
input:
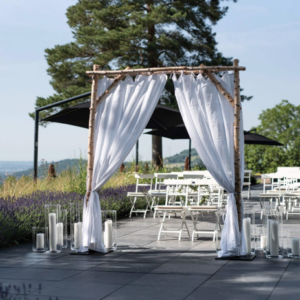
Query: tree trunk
[
  {"x": 157, "y": 156},
  {"x": 157, "y": 151}
]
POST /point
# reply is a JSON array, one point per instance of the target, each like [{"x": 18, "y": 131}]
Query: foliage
[
  {"x": 135, "y": 33},
  {"x": 281, "y": 123},
  {"x": 19, "y": 214}
]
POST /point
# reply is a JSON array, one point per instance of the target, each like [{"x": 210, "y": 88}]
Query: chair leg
[
  {"x": 184, "y": 223},
  {"x": 133, "y": 206},
  {"x": 161, "y": 220}
]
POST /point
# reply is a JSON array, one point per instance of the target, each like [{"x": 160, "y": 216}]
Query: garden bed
[{"x": 19, "y": 214}]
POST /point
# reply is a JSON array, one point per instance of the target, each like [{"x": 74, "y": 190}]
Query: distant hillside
[
  {"x": 175, "y": 160},
  {"x": 9, "y": 167},
  {"x": 43, "y": 168},
  {"x": 180, "y": 158}
]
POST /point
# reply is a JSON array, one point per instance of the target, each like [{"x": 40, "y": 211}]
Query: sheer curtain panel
[
  {"x": 120, "y": 120},
  {"x": 209, "y": 118}
]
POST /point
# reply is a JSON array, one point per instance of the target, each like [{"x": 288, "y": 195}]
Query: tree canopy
[
  {"x": 281, "y": 123},
  {"x": 135, "y": 33}
]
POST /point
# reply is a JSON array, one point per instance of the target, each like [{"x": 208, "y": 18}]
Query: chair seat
[
  {"x": 269, "y": 195},
  {"x": 169, "y": 207},
  {"x": 203, "y": 208},
  {"x": 136, "y": 194}
]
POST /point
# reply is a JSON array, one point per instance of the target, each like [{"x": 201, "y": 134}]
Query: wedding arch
[{"x": 211, "y": 111}]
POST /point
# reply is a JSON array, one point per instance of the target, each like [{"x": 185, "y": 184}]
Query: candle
[
  {"x": 52, "y": 232},
  {"x": 268, "y": 233},
  {"x": 77, "y": 235},
  {"x": 263, "y": 241},
  {"x": 295, "y": 247},
  {"x": 60, "y": 233},
  {"x": 274, "y": 239},
  {"x": 247, "y": 234},
  {"x": 40, "y": 244},
  {"x": 108, "y": 238}
]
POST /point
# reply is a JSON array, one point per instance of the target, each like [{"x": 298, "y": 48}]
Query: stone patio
[{"x": 144, "y": 268}]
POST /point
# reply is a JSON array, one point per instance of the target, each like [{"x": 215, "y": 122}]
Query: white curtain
[
  {"x": 209, "y": 118},
  {"x": 120, "y": 120}
]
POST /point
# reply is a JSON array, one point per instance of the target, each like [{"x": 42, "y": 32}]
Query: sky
[{"x": 263, "y": 35}]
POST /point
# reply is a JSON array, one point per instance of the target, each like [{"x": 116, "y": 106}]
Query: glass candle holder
[
  {"x": 273, "y": 227},
  {"x": 53, "y": 223},
  {"x": 220, "y": 220},
  {"x": 260, "y": 237},
  {"x": 39, "y": 239},
  {"x": 249, "y": 228},
  {"x": 76, "y": 226},
  {"x": 109, "y": 229},
  {"x": 62, "y": 229},
  {"x": 293, "y": 244}
]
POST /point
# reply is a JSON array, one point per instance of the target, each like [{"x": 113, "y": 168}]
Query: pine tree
[{"x": 135, "y": 33}]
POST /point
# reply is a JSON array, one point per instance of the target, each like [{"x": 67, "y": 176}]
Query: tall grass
[{"x": 72, "y": 180}]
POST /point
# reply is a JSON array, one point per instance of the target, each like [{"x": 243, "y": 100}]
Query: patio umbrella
[
  {"x": 163, "y": 117},
  {"x": 179, "y": 132}
]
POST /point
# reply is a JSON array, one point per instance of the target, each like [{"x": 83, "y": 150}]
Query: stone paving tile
[
  {"x": 16, "y": 263},
  {"x": 104, "y": 277},
  {"x": 144, "y": 292},
  {"x": 174, "y": 244},
  {"x": 149, "y": 257},
  {"x": 209, "y": 260},
  {"x": 125, "y": 267},
  {"x": 187, "y": 268},
  {"x": 24, "y": 287},
  {"x": 40, "y": 297},
  {"x": 242, "y": 270},
  {"x": 66, "y": 265},
  {"x": 260, "y": 281},
  {"x": 37, "y": 274},
  {"x": 5, "y": 272},
  {"x": 213, "y": 293},
  {"x": 170, "y": 280},
  {"x": 287, "y": 288},
  {"x": 94, "y": 290}
]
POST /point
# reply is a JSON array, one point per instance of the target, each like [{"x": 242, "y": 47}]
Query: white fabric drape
[
  {"x": 209, "y": 118},
  {"x": 120, "y": 120}
]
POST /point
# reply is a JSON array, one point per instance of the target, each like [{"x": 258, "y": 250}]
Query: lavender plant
[{"x": 19, "y": 214}]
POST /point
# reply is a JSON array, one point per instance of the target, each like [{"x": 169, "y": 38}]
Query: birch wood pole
[
  {"x": 166, "y": 70},
  {"x": 237, "y": 170},
  {"x": 93, "y": 107}
]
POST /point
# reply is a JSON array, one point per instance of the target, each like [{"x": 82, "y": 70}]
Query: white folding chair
[
  {"x": 159, "y": 181},
  {"x": 133, "y": 197},
  {"x": 291, "y": 201},
  {"x": 269, "y": 197},
  {"x": 247, "y": 181},
  {"x": 162, "y": 212},
  {"x": 195, "y": 211},
  {"x": 137, "y": 195}
]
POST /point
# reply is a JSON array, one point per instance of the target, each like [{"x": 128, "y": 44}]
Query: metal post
[
  {"x": 36, "y": 127},
  {"x": 137, "y": 153},
  {"x": 190, "y": 153},
  {"x": 36, "y": 145}
]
